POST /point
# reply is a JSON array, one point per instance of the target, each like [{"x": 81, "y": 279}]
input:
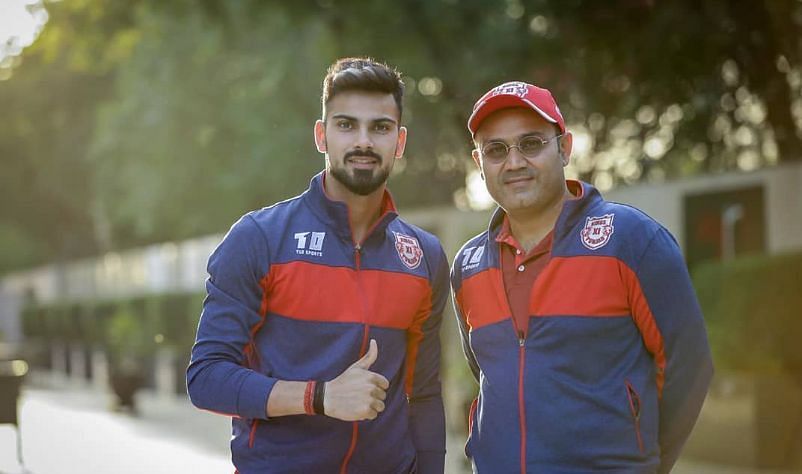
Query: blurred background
[{"x": 133, "y": 133}]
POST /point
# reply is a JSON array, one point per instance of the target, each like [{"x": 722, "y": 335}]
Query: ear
[
  {"x": 475, "y": 156},
  {"x": 402, "y": 142},
  {"x": 320, "y": 136},
  {"x": 566, "y": 145}
]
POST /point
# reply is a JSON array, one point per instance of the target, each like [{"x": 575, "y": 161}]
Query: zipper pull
[
  {"x": 521, "y": 338},
  {"x": 357, "y": 255}
]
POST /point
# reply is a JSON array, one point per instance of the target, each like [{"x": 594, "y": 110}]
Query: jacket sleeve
[
  {"x": 462, "y": 323},
  {"x": 218, "y": 377},
  {"x": 674, "y": 326},
  {"x": 427, "y": 416}
]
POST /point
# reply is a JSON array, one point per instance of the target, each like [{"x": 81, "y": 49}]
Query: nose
[
  {"x": 363, "y": 139},
  {"x": 515, "y": 159}
]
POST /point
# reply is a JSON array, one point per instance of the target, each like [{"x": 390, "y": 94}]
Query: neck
[
  {"x": 530, "y": 226},
  {"x": 363, "y": 211}
]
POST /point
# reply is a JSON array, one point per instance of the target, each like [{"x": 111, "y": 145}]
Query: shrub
[{"x": 753, "y": 311}]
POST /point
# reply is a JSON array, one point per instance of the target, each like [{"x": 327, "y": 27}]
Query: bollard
[{"x": 11, "y": 374}]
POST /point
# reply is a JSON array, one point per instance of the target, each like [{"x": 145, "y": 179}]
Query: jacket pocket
[
  {"x": 634, "y": 409},
  {"x": 414, "y": 468},
  {"x": 252, "y": 435},
  {"x": 471, "y": 418}
]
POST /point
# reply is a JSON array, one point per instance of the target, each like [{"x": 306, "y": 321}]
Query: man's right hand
[{"x": 357, "y": 394}]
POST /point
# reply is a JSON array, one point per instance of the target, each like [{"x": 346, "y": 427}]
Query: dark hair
[{"x": 362, "y": 74}]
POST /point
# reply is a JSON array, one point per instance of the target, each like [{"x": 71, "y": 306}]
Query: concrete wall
[{"x": 782, "y": 186}]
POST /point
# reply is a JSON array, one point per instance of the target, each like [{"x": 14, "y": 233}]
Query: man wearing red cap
[{"x": 577, "y": 315}]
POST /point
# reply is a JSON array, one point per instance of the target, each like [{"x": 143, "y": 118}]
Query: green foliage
[
  {"x": 136, "y": 122},
  {"x": 128, "y": 328},
  {"x": 209, "y": 124},
  {"x": 32, "y": 321},
  {"x": 127, "y": 334},
  {"x": 49, "y": 107},
  {"x": 176, "y": 318},
  {"x": 752, "y": 310},
  {"x": 26, "y": 248}
]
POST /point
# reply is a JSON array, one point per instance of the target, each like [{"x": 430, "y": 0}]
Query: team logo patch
[
  {"x": 511, "y": 88},
  {"x": 309, "y": 243},
  {"x": 597, "y": 231},
  {"x": 409, "y": 250}
]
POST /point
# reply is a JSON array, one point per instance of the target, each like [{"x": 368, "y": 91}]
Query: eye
[
  {"x": 344, "y": 124},
  {"x": 382, "y": 127},
  {"x": 530, "y": 146},
  {"x": 495, "y": 151}
]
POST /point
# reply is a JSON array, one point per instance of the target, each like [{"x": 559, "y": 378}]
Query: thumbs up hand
[
  {"x": 357, "y": 393},
  {"x": 370, "y": 356}
]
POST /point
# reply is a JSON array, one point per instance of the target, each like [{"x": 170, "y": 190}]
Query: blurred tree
[
  {"x": 683, "y": 87},
  {"x": 48, "y": 111},
  {"x": 135, "y": 122},
  {"x": 212, "y": 117}
]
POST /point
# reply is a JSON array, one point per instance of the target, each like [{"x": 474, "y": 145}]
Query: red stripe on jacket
[
  {"x": 477, "y": 305},
  {"x": 251, "y": 354},
  {"x": 603, "y": 291},
  {"x": 414, "y": 338},
  {"x": 647, "y": 325},
  {"x": 296, "y": 290},
  {"x": 609, "y": 288}
]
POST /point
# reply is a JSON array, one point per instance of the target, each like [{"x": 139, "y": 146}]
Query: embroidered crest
[
  {"x": 511, "y": 88},
  {"x": 409, "y": 250},
  {"x": 597, "y": 231}
]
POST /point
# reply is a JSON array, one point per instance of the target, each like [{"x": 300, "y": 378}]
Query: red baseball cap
[{"x": 516, "y": 94}]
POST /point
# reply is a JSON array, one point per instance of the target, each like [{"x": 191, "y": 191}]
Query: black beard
[{"x": 363, "y": 182}]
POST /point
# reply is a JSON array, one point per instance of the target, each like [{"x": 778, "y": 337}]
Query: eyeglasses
[{"x": 530, "y": 147}]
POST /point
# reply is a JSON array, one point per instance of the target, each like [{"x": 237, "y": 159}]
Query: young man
[
  {"x": 577, "y": 315},
  {"x": 319, "y": 334}
]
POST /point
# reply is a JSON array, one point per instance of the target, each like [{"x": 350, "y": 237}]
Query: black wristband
[{"x": 317, "y": 401}]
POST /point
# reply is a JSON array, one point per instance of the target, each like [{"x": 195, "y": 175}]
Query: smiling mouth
[
  {"x": 518, "y": 179},
  {"x": 363, "y": 160}
]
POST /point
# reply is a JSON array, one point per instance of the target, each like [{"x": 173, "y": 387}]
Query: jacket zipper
[
  {"x": 362, "y": 350},
  {"x": 521, "y": 406},
  {"x": 520, "y": 334}
]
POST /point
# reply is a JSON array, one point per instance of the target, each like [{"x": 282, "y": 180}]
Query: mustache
[
  {"x": 515, "y": 174},
  {"x": 369, "y": 153}
]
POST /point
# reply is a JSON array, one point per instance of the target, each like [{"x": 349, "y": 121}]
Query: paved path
[
  {"x": 70, "y": 429},
  {"x": 73, "y": 430}
]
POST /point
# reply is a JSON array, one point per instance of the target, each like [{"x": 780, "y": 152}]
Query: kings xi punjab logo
[
  {"x": 408, "y": 249},
  {"x": 511, "y": 88},
  {"x": 597, "y": 231}
]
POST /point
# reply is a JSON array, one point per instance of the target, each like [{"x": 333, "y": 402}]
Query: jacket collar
[{"x": 335, "y": 214}]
